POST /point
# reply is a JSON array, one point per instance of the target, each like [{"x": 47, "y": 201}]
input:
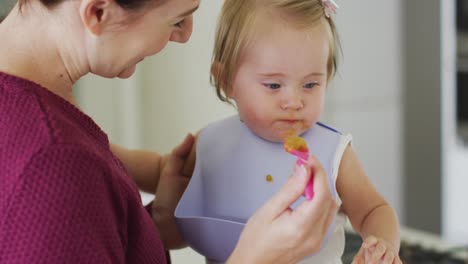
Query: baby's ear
[
  {"x": 217, "y": 72},
  {"x": 97, "y": 15}
]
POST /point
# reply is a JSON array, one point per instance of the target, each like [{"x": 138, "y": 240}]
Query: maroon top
[{"x": 64, "y": 197}]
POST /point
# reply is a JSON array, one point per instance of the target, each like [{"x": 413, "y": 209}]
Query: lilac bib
[{"x": 236, "y": 172}]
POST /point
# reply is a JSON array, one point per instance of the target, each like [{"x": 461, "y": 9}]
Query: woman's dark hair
[{"x": 127, "y": 4}]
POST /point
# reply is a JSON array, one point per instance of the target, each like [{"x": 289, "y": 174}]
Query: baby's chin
[
  {"x": 291, "y": 132},
  {"x": 127, "y": 73},
  {"x": 279, "y": 136},
  {"x": 278, "y": 132},
  {"x": 275, "y": 139},
  {"x": 281, "y": 133}
]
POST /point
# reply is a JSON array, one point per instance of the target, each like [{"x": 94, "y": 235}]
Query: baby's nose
[{"x": 292, "y": 101}]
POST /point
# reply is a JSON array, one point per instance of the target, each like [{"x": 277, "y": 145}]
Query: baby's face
[{"x": 280, "y": 86}]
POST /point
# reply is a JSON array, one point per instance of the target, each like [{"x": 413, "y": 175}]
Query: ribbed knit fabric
[{"x": 64, "y": 197}]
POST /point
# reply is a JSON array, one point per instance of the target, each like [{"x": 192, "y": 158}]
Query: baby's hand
[{"x": 376, "y": 251}]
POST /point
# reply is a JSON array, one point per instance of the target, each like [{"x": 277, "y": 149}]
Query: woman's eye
[
  {"x": 310, "y": 85},
  {"x": 272, "y": 86},
  {"x": 180, "y": 23}
]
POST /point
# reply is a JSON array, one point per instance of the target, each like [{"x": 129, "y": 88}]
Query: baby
[{"x": 273, "y": 60}]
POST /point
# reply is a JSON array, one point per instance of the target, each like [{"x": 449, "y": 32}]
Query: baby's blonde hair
[{"x": 237, "y": 25}]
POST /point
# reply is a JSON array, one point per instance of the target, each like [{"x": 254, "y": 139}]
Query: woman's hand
[
  {"x": 377, "y": 251},
  {"x": 174, "y": 177},
  {"x": 278, "y": 234}
]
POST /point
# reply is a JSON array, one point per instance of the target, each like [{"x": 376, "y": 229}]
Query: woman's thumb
[
  {"x": 183, "y": 149},
  {"x": 292, "y": 190}
]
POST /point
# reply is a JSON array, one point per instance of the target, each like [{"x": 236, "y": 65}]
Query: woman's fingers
[
  {"x": 183, "y": 149},
  {"x": 289, "y": 193},
  {"x": 323, "y": 200},
  {"x": 172, "y": 184},
  {"x": 177, "y": 159},
  {"x": 293, "y": 234}
]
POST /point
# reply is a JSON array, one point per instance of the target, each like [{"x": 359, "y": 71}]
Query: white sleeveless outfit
[{"x": 229, "y": 184}]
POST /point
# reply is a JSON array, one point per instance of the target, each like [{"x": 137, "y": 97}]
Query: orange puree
[{"x": 295, "y": 143}]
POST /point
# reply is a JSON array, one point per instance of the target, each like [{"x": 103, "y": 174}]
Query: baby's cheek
[
  {"x": 252, "y": 115},
  {"x": 312, "y": 118}
]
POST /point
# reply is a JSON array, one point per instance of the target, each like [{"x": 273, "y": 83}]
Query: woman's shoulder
[
  {"x": 32, "y": 117},
  {"x": 63, "y": 195},
  {"x": 57, "y": 164}
]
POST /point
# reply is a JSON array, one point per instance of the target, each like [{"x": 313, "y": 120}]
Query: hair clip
[{"x": 330, "y": 7}]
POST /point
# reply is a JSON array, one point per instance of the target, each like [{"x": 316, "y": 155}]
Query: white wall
[
  {"x": 114, "y": 105},
  {"x": 176, "y": 97},
  {"x": 365, "y": 99}
]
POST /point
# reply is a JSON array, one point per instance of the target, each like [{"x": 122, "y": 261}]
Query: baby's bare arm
[{"x": 368, "y": 211}]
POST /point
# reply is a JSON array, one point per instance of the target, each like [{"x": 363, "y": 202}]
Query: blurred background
[{"x": 400, "y": 91}]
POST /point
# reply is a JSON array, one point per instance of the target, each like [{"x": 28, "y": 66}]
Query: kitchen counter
[{"x": 417, "y": 247}]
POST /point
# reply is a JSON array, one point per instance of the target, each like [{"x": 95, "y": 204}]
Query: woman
[{"x": 64, "y": 196}]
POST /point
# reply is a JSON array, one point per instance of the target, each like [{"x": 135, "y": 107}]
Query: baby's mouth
[
  {"x": 293, "y": 122},
  {"x": 291, "y": 127}
]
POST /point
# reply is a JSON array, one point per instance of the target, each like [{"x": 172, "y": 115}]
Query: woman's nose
[{"x": 183, "y": 34}]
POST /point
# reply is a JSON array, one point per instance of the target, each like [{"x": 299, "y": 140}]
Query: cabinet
[
  {"x": 435, "y": 155},
  {"x": 454, "y": 72},
  {"x": 462, "y": 70}
]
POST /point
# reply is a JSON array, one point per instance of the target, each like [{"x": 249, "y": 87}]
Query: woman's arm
[
  {"x": 174, "y": 178},
  {"x": 62, "y": 210},
  {"x": 145, "y": 167}
]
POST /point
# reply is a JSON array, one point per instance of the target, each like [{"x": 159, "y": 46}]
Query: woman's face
[{"x": 136, "y": 35}]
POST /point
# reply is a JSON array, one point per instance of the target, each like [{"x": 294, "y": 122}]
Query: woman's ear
[{"x": 95, "y": 14}]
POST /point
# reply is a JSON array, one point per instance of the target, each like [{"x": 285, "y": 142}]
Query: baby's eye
[
  {"x": 310, "y": 85},
  {"x": 272, "y": 86}
]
